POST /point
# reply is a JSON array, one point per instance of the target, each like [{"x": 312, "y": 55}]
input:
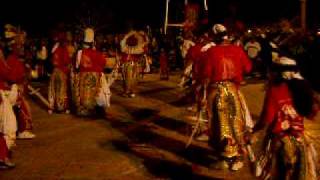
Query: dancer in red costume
[
  {"x": 7, "y": 123},
  {"x": 226, "y": 65},
  {"x": 59, "y": 80},
  {"x": 288, "y": 152},
  {"x": 18, "y": 75},
  {"x": 88, "y": 82}
]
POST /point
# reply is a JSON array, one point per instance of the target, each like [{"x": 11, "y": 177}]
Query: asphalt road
[{"x": 140, "y": 138}]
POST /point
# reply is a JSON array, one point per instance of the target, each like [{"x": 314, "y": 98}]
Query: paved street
[{"x": 141, "y": 138}]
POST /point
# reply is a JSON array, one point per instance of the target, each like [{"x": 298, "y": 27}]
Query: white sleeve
[{"x": 78, "y": 60}]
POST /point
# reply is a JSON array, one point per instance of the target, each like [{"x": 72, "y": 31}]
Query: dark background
[{"x": 38, "y": 16}]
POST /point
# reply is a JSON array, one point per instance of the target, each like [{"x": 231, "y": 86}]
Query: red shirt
[
  {"x": 4, "y": 71},
  {"x": 278, "y": 111},
  {"x": 61, "y": 59},
  {"x": 198, "y": 60},
  {"x": 226, "y": 62},
  {"x": 17, "y": 70},
  {"x": 92, "y": 61},
  {"x": 194, "y": 56}
]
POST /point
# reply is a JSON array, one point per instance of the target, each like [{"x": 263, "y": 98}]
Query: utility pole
[
  {"x": 166, "y": 17},
  {"x": 303, "y": 14}
]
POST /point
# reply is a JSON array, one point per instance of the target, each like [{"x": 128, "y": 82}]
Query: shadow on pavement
[{"x": 162, "y": 155}]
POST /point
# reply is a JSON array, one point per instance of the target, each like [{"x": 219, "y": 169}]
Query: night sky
[{"x": 37, "y": 16}]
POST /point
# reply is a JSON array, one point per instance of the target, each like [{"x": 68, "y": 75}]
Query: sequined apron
[
  {"x": 226, "y": 120},
  {"x": 130, "y": 75},
  {"x": 85, "y": 86},
  {"x": 58, "y": 91}
]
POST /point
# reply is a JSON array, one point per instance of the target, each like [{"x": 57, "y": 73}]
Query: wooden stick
[
  {"x": 194, "y": 130},
  {"x": 37, "y": 94}
]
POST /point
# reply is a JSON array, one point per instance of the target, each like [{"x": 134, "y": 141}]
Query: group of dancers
[
  {"x": 218, "y": 67},
  {"x": 79, "y": 82}
]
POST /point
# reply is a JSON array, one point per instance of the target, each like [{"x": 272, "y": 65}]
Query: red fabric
[
  {"x": 17, "y": 69},
  {"x": 163, "y": 58},
  {"x": 275, "y": 111},
  {"x": 274, "y": 95},
  {"x": 129, "y": 57},
  {"x": 92, "y": 61},
  {"x": 4, "y": 152},
  {"x": 4, "y": 71},
  {"x": 198, "y": 60},
  {"x": 14, "y": 72},
  {"x": 226, "y": 62},
  {"x": 61, "y": 59},
  {"x": 23, "y": 114}
]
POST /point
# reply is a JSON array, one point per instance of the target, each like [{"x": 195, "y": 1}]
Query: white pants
[{"x": 8, "y": 121}]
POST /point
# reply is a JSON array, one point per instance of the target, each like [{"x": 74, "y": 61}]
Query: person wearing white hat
[
  {"x": 288, "y": 153},
  {"x": 220, "y": 31},
  {"x": 229, "y": 117},
  {"x": 88, "y": 36},
  {"x": 88, "y": 80}
]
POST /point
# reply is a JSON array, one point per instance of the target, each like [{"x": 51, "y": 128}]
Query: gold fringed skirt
[
  {"x": 58, "y": 91},
  {"x": 130, "y": 76},
  {"x": 288, "y": 158},
  {"x": 85, "y": 87},
  {"x": 227, "y": 124}
]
